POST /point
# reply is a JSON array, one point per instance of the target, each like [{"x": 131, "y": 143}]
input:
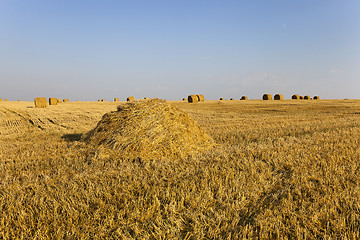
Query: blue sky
[{"x": 89, "y": 50}]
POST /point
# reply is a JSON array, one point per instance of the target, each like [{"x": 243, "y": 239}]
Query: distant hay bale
[
  {"x": 193, "y": 98},
  {"x": 65, "y": 100},
  {"x": 77, "y": 100},
  {"x": 116, "y": 99},
  {"x": 244, "y": 98},
  {"x": 184, "y": 99},
  {"x": 1, "y": 100},
  {"x": 301, "y": 97},
  {"x": 53, "y": 101},
  {"x": 295, "y": 96},
  {"x": 316, "y": 97},
  {"x": 221, "y": 99},
  {"x": 102, "y": 100},
  {"x": 149, "y": 130},
  {"x": 146, "y": 98},
  {"x": 231, "y": 99},
  {"x": 307, "y": 97},
  {"x": 200, "y": 98},
  {"x": 19, "y": 100},
  {"x": 99, "y": 100},
  {"x": 267, "y": 97},
  {"x": 5, "y": 100},
  {"x": 278, "y": 97},
  {"x": 40, "y": 102},
  {"x": 130, "y": 99},
  {"x": 59, "y": 101}
]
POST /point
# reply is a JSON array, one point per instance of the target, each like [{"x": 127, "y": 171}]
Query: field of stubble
[{"x": 281, "y": 169}]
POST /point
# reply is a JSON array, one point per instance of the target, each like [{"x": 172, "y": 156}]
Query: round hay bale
[
  {"x": 116, "y": 99},
  {"x": 267, "y": 97},
  {"x": 5, "y": 100},
  {"x": 98, "y": 100},
  {"x": 200, "y": 98},
  {"x": 301, "y": 97},
  {"x": 130, "y": 99},
  {"x": 65, "y": 100},
  {"x": 295, "y": 96},
  {"x": 193, "y": 98},
  {"x": 184, "y": 99},
  {"x": 244, "y": 98},
  {"x": 146, "y": 98},
  {"x": 53, "y": 101},
  {"x": 221, "y": 99},
  {"x": 307, "y": 97},
  {"x": 40, "y": 102},
  {"x": 316, "y": 97},
  {"x": 0, "y": 99},
  {"x": 278, "y": 97},
  {"x": 150, "y": 129},
  {"x": 59, "y": 101},
  {"x": 231, "y": 99},
  {"x": 102, "y": 100}
]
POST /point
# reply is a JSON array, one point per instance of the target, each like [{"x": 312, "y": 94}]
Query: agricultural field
[{"x": 278, "y": 169}]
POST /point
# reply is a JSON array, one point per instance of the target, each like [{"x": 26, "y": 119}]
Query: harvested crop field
[{"x": 279, "y": 169}]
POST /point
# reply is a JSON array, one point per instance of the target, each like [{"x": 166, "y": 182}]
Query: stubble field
[{"x": 280, "y": 169}]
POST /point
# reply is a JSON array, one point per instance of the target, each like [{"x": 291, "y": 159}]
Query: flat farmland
[{"x": 280, "y": 169}]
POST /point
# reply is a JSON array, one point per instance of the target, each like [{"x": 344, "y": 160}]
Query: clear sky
[{"x": 89, "y": 50}]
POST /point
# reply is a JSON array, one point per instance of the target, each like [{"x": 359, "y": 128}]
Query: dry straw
[
  {"x": 151, "y": 129},
  {"x": 267, "y": 97},
  {"x": 295, "y": 96},
  {"x": 146, "y": 98},
  {"x": 307, "y": 97},
  {"x": 200, "y": 98},
  {"x": 193, "y": 98},
  {"x": 116, "y": 99},
  {"x": 131, "y": 98},
  {"x": 244, "y": 98},
  {"x": 316, "y": 97},
  {"x": 40, "y": 102},
  {"x": 53, "y": 101},
  {"x": 278, "y": 97}
]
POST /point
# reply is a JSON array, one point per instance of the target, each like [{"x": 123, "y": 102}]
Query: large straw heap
[{"x": 150, "y": 129}]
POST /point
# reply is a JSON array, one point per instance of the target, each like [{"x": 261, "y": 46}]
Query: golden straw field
[{"x": 280, "y": 169}]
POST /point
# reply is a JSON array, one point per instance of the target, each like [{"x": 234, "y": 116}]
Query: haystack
[
  {"x": 59, "y": 101},
  {"x": 200, "y": 98},
  {"x": 221, "y": 99},
  {"x": 193, "y": 98},
  {"x": 316, "y": 97},
  {"x": 116, "y": 99},
  {"x": 278, "y": 97},
  {"x": 307, "y": 97},
  {"x": 53, "y": 101},
  {"x": 231, "y": 99},
  {"x": 65, "y": 100},
  {"x": 184, "y": 99},
  {"x": 295, "y": 96},
  {"x": 151, "y": 129},
  {"x": 301, "y": 97},
  {"x": 244, "y": 98},
  {"x": 267, "y": 97},
  {"x": 131, "y": 98},
  {"x": 40, "y": 102}
]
